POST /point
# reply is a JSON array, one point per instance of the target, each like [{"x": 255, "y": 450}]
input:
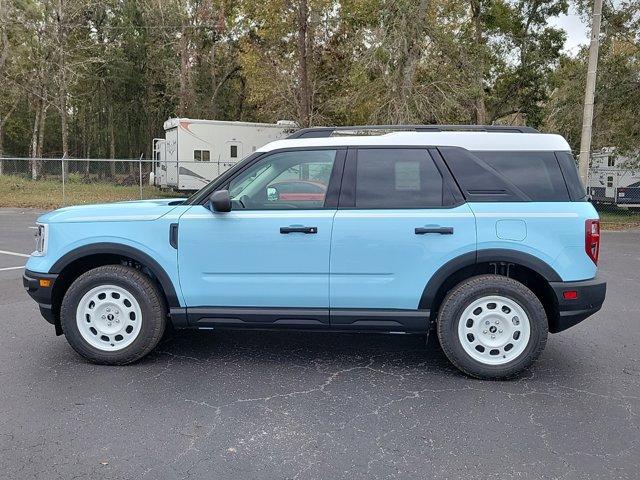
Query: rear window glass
[
  {"x": 570, "y": 171},
  {"x": 397, "y": 178},
  {"x": 537, "y": 174}
]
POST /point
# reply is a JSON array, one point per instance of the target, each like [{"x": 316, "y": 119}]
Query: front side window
[
  {"x": 397, "y": 178},
  {"x": 284, "y": 181},
  {"x": 234, "y": 151}
]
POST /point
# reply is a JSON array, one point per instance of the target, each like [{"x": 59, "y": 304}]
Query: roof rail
[{"x": 323, "y": 132}]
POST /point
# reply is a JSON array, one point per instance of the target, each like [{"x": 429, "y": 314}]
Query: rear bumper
[
  {"x": 42, "y": 295},
  {"x": 590, "y": 297}
]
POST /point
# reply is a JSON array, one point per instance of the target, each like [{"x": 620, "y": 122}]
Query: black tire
[
  {"x": 145, "y": 292},
  {"x": 466, "y": 292}
]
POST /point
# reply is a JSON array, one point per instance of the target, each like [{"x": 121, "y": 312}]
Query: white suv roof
[{"x": 469, "y": 140}]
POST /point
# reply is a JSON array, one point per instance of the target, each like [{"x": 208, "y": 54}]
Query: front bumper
[
  {"x": 589, "y": 299},
  {"x": 42, "y": 295}
]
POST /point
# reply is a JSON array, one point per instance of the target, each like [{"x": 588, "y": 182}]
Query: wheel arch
[
  {"x": 526, "y": 268},
  {"x": 75, "y": 262}
]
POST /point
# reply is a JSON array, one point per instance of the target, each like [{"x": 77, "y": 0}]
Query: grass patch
[
  {"x": 16, "y": 191},
  {"x": 616, "y": 218}
]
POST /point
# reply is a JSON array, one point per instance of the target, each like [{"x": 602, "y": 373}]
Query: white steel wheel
[
  {"x": 494, "y": 330},
  {"x": 109, "y": 318}
]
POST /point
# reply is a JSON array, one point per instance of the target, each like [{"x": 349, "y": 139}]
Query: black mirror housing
[{"x": 220, "y": 201}]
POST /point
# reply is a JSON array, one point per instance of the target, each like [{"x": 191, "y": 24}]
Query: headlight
[{"x": 41, "y": 239}]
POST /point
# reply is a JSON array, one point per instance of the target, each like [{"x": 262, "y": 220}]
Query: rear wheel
[
  {"x": 113, "y": 315},
  {"x": 492, "y": 327}
]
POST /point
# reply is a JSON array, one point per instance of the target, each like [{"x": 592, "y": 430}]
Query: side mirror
[{"x": 220, "y": 201}]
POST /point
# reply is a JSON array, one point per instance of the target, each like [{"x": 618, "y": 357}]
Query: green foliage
[
  {"x": 117, "y": 69},
  {"x": 74, "y": 178},
  {"x": 617, "y": 101}
]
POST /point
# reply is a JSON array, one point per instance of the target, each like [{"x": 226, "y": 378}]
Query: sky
[{"x": 577, "y": 31}]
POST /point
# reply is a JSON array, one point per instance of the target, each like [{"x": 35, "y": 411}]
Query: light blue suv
[{"x": 482, "y": 233}]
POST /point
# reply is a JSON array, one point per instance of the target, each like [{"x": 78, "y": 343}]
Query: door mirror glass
[{"x": 220, "y": 201}]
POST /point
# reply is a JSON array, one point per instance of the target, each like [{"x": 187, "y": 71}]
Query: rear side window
[
  {"x": 537, "y": 174},
  {"x": 397, "y": 178}
]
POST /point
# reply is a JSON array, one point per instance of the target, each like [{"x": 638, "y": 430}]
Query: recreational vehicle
[
  {"x": 194, "y": 152},
  {"x": 158, "y": 175},
  {"x": 614, "y": 179}
]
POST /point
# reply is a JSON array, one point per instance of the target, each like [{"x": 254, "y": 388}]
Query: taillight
[{"x": 592, "y": 239}]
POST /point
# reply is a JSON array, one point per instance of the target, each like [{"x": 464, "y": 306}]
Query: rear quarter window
[
  {"x": 537, "y": 174},
  {"x": 570, "y": 170}
]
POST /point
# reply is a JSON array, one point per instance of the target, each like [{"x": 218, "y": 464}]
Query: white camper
[
  {"x": 195, "y": 152},
  {"x": 158, "y": 176},
  {"x": 614, "y": 179}
]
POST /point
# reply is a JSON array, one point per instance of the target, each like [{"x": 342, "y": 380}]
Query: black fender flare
[
  {"x": 108, "y": 248},
  {"x": 483, "y": 256}
]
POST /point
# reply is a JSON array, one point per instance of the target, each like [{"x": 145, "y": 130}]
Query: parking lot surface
[{"x": 256, "y": 405}]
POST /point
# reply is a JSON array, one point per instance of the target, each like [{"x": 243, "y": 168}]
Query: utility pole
[{"x": 587, "y": 115}]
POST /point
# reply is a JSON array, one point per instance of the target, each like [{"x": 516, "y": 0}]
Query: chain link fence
[
  {"x": 54, "y": 182},
  {"x": 615, "y": 192},
  {"x": 48, "y": 183}
]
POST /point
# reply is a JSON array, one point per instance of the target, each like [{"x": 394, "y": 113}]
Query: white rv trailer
[
  {"x": 194, "y": 152},
  {"x": 614, "y": 179},
  {"x": 158, "y": 174}
]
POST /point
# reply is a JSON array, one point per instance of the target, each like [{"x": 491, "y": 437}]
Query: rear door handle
[
  {"x": 298, "y": 229},
  {"x": 440, "y": 230}
]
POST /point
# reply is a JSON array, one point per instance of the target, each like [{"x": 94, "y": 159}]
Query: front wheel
[
  {"x": 492, "y": 327},
  {"x": 113, "y": 315}
]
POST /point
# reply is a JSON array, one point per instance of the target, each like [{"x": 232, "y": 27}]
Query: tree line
[{"x": 97, "y": 79}]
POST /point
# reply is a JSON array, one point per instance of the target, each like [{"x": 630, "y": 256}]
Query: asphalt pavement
[{"x": 256, "y": 405}]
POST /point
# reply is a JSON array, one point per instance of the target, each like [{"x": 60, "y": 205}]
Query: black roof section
[{"x": 323, "y": 132}]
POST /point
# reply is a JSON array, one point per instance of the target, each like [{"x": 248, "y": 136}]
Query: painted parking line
[
  {"x": 10, "y": 268},
  {"x": 15, "y": 253}
]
